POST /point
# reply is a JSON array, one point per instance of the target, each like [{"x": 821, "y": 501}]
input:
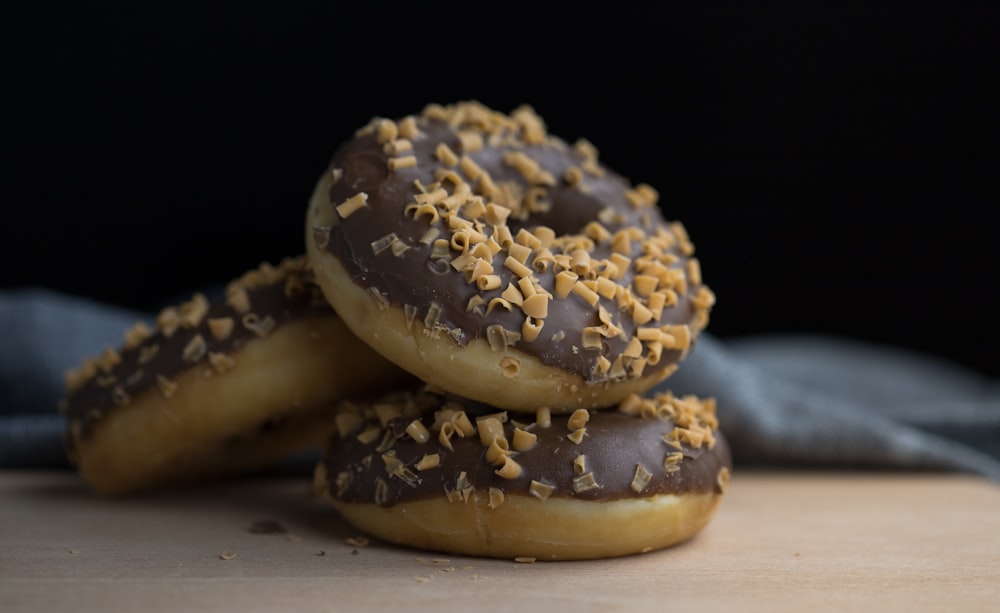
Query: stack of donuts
[{"x": 475, "y": 337}]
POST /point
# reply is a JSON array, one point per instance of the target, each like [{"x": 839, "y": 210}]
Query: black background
[{"x": 836, "y": 168}]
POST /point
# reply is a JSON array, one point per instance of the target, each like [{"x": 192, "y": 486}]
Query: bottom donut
[{"x": 445, "y": 474}]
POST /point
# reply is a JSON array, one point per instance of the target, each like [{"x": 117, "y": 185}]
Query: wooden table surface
[{"x": 782, "y": 541}]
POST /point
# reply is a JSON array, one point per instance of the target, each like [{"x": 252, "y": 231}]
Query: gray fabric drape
[{"x": 788, "y": 401}]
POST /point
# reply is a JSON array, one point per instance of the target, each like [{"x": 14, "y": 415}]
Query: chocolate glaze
[
  {"x": 409, "y": 280},
  {"x": 614, "y": 444},
  {"x": 93, "y": 401}
]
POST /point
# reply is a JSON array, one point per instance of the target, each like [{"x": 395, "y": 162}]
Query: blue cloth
[{"x": 783, "y": 401}]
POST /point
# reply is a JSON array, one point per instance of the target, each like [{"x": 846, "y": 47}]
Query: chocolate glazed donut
[
  {"x": 218, "y": 388},
  {"x": 498, "y": 262},
  {"x": 446, "y": 474}
]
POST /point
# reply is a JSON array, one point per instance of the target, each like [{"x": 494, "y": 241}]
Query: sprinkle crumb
[
  {"x": 421, "y": 579},
  {"x": 447, "y": 569},
  {"x": 440, "y": 560},
  {"x": 357, "y": 541},
  {"x": 227, "y": 555},
  {"x": 76, "y": 551},
  {"x": 525, "y": 560},
  {"x": 321, "y": 553}
]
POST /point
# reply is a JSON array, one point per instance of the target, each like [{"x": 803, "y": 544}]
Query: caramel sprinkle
[
  {"x": 428, "y": 461},
  {"x": 585, "y": 483},
  {"x": 137, "y": 334},
  {"x": 166, "y": 386},
  {"x": 418, "y": 432},
  {"x": 147, "y": 353},
  {"x": 540, "y": 490},
  {"x": 523, "y": 440},
  {"x": 221, "y": 362},
  {"x": 496, "y": 498},
  {"x": 641, "y": 478},
  {"x": 195, "y": 349},
  {"x": 261, "y": 326},
  {"x": 221, "y": 327},
  {"x": 578, "y": 419},
  {"x": 510, "y": 469}
]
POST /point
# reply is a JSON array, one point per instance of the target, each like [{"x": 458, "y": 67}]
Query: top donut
[{"x": 501, "y": 263}]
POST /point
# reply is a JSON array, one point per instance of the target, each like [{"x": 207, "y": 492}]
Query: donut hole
[{"x": 510, "y": 367}]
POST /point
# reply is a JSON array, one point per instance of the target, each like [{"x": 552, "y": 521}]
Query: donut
[
  {"x": 436, "y": 472},
  {"x": 218, "y": 387},
  {"x": 502, "y": 264}
]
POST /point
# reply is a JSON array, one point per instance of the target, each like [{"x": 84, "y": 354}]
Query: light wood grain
[{"x": 806, "y": 541}]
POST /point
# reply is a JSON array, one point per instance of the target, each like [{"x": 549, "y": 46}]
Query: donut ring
[
  {"x": 443, "y": 474},
  {"x": 497, "y": 262},
  {"x": 218, "y": 389}
]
